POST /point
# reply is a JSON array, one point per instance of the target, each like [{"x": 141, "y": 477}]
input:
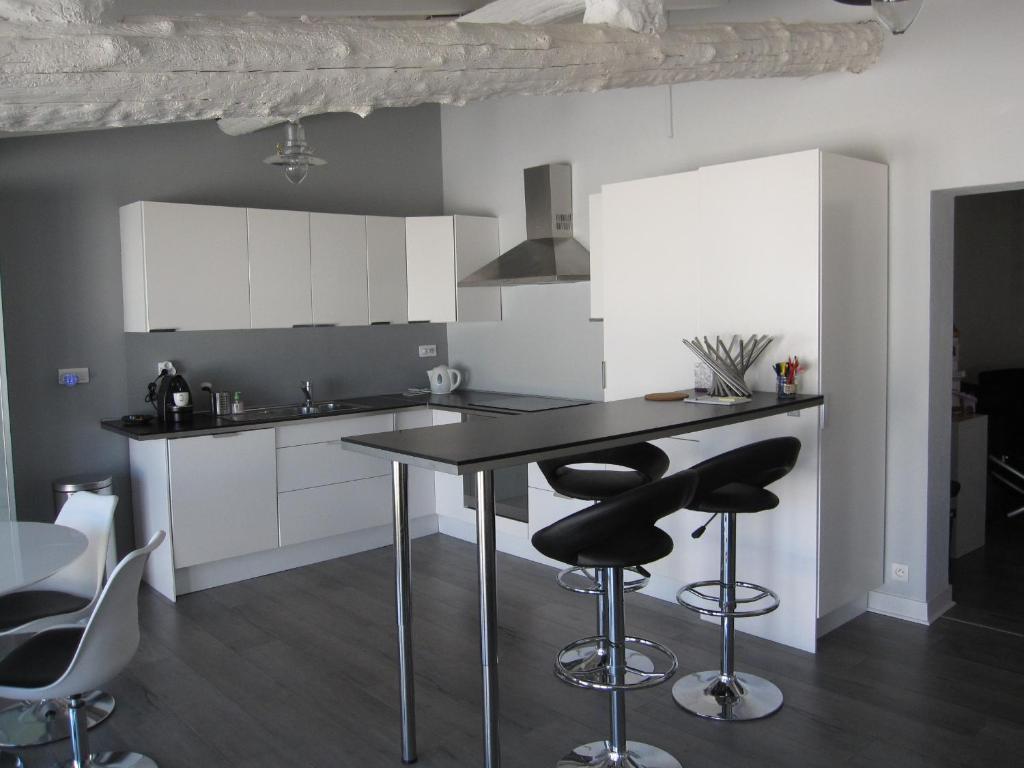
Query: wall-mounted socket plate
[
  {"x": 166, "y": 365},
  {"x": 900, "y": 572},
  {"x": 428, "y": 350},
  {"x": 82, "y": 375}
]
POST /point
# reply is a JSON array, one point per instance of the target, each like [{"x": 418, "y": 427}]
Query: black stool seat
[
  {"x": 735, "y": 497},
  {"x": 644, "y": 463},
  {"x": 621, "y": 531},
  {"x": 19, "y": 608}
]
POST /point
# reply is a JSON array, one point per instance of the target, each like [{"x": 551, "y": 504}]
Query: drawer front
[
  {"x": 328, "y": 430},
  {"x": 316, "y": 513},
  {"x": 307, "y": 466}
]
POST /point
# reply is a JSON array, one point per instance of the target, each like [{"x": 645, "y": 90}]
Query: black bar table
[{"x": 480, "y": 447}]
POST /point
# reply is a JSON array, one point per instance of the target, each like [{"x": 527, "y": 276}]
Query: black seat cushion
[
  {"x": 739, "y": 476},
  {"x": 20, "y": 608},
  {"x": 42, "y": 659},
  {"x": 736, "y": 497},
  {"x": 644, "y": 463},
  {"x": 619, "y": 531},
  {"x": 634, "y": 548}
]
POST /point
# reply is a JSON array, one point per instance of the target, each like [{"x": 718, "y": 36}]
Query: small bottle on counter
[{"x": 238, "y": 405}]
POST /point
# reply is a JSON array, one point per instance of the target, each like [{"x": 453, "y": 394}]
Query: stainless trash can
[{"x": 63, "y": 487}]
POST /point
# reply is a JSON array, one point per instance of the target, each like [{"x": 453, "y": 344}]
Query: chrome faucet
[{"x": 307, "y": 390}]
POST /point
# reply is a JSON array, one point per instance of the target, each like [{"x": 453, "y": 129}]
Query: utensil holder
[{"x": 785, "y": 389}]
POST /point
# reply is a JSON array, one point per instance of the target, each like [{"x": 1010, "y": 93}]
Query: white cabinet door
[
  {"x": 196, "y": 267},
  {"x": 223, "y": 496},
  {"x": 315, "y": 513},
  {"x": 430, "y": 260},
  {"x": 385, "y": 267},
  {"x": 596, "y": 258},
  {"x": 308, "y": 466},
  {"x": 476, "y": 244},
  {"x": 653, "y": 243},
  {"x": 338, "y": 266},
  {"x": 279, "y": 271}
]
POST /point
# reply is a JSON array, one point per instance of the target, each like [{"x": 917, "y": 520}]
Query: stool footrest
[
  {"x": 599, "y": 678},
  {"x": 582, "y": 581},
  {"x": 693, "y": 590}
]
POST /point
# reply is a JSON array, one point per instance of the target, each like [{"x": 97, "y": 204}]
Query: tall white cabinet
[{"x": 794, "y": 246}]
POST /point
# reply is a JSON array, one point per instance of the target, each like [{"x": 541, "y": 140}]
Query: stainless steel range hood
[{"x": 549, "y": 254}]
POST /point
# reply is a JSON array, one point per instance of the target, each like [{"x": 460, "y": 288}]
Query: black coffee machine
[{"x": 171, "y": 397}]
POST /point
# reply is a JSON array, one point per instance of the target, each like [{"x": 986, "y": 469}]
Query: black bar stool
[
  {"x": 642, "y": 463},
  {"x": 612, "y": 536},
  {"x": 731, "y": 483}
]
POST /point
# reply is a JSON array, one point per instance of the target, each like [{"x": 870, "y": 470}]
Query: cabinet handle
[
  {"x": 303, "y": 325},
  {"x": 162, "y": 330},
  {"x": 381, "y": 322},
  {"x": 414, "y": 322}
]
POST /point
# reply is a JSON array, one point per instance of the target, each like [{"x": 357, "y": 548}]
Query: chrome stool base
[
  {"x": 43, "y": 722},
  {"x": 114, "y": 760},
  {"x": 598, "y": 754},
  {"x": 589, "y": 658},
  {"x": 710, "y": 695},
  {"x": 10, "y": 760}
]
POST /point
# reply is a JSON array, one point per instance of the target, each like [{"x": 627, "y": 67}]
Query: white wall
[
  {"x": 942, "y": 108},
  {"x": 989, "y": 281}
]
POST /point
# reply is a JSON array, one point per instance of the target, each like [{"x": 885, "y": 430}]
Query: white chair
[
  {"x": 67, "y": 597},
  {"x": 60, "y": 662}
]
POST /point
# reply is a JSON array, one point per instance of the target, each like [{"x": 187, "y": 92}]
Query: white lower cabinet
[
  {"x": 329, "y": 510},
  {"x": 223, "y": 496}
]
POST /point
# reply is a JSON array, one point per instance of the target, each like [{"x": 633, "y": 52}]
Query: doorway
[{"x": 987, "y": 436}]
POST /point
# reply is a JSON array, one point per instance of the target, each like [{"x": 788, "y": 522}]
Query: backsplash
[{"x": 268, "y": 366}]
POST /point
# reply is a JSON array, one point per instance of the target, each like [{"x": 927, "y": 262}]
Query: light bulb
[
  {"x": 296, "y": 172},
  {"x": 897, "y": 15}
]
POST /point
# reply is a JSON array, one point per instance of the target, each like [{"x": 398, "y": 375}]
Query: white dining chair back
[
  {"x": 92, "y": 515},
  {"x": 110, "y": 638}
]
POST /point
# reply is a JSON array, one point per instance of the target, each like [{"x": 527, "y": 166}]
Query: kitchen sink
[{"x": 272, "y": 412}]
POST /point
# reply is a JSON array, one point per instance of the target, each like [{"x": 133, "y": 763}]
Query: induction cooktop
[{"x": 525, "y": 403}]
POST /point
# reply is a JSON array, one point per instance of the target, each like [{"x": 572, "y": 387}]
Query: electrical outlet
[
  {"x": 900, "y": 572},
  {"x": 69, "y": 377},
  {"x": 165, "y": 365},
  {"x": 428, "y": 350}
]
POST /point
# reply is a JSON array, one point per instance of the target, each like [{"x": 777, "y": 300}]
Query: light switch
[{"x": 70, "y": 377}]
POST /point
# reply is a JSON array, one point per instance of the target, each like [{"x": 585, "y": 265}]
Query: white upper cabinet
[
  {"x": 440, "y": 251},
  {"x": 184, "y": 267},
  {"x": 338, "y": 263},
  {"x": 386, "y": 269},
  {"x": 476, "y": 244},
  {"x": 279, "y": 268},
  {"x": 430, "y": 259},
  {"x": 596, "y": 258}
]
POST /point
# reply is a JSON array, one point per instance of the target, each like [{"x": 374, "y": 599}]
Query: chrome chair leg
[
  {"x": 726, "y": 694},
  {"x": 80, "y": 754},
  {"x": 32, "y": 723},
  {"x": 617, "y": 752}
]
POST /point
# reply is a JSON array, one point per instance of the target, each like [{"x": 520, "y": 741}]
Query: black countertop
[
  {"x": 467, "y": 401},
  {"x": 479, "y": 445}
]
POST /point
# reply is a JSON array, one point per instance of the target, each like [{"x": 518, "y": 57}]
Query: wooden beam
[{"x": 74, "y": 77}]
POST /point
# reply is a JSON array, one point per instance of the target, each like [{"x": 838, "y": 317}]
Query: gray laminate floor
[{"x": 298, "y": 669}]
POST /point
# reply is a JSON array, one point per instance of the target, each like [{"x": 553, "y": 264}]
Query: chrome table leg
[
  {"x": 403, "y": 603},
  {"x": 488, "y": 615}
]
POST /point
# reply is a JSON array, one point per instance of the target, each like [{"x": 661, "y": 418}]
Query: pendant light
[
  {"x": 294, "y": 155},
  {"x": 897, "y": 15}
]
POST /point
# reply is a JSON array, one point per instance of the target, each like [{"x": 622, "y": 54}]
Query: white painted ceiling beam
[
  {"x": 637, "y": 15},
  {"x": 75, "y": 77}
]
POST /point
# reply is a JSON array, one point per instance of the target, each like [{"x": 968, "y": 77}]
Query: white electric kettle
[{"x": 443, "y": 379}]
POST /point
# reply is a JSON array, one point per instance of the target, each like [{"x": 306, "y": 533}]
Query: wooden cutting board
[{"x": 664, "y": 397}]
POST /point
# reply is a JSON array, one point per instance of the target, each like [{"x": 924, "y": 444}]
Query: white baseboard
[
  {"x": 295, "y": 556},
  {"x": 908, "y": 609},
  {"x": 841, "y": 615}
]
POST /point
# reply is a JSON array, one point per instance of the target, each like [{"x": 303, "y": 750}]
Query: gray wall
[
  {"x": 61, "y": 275},
  {"x": 989, "y": 281}
]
